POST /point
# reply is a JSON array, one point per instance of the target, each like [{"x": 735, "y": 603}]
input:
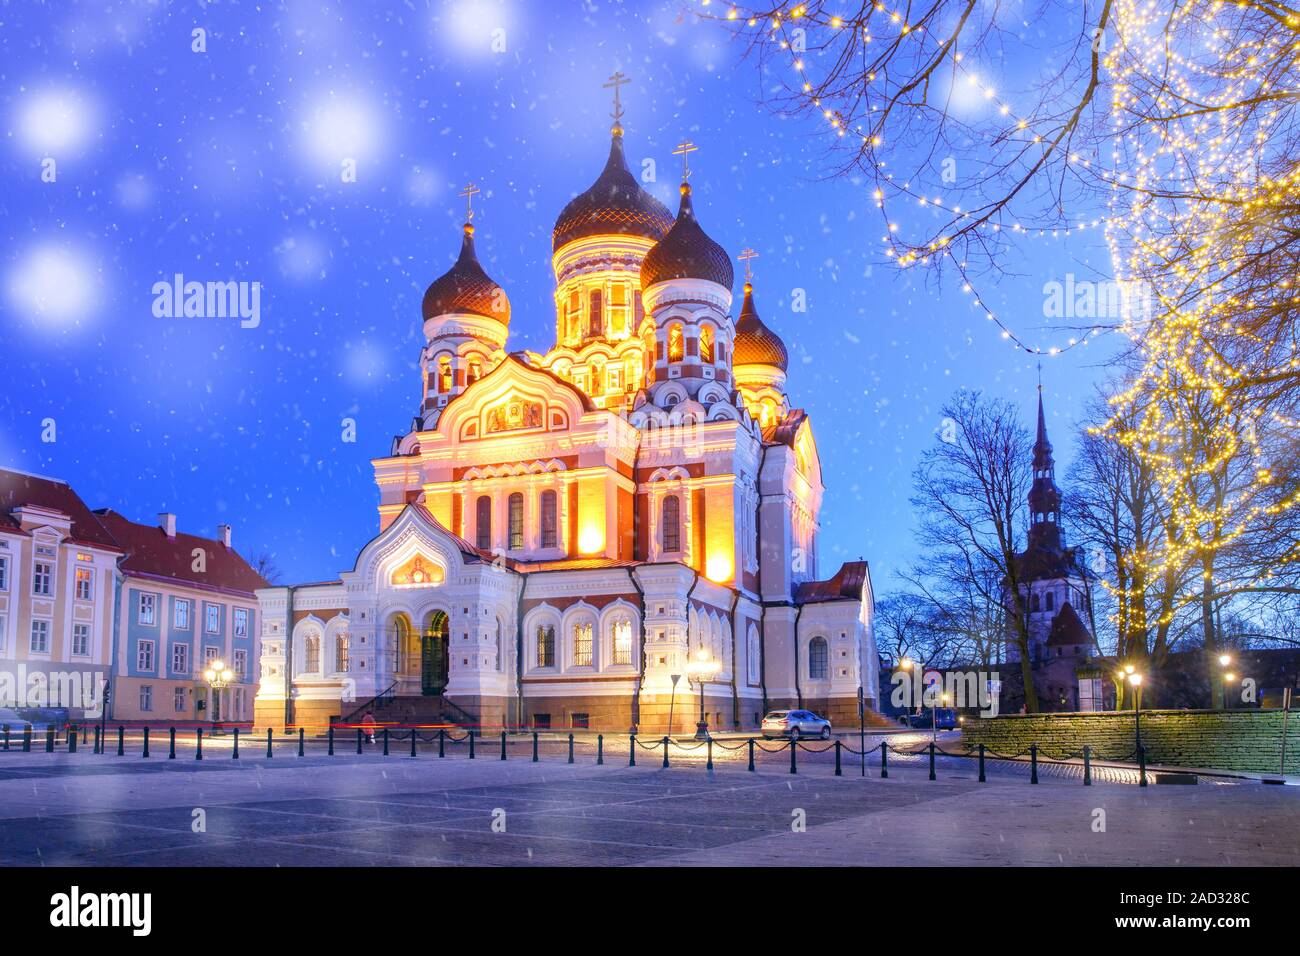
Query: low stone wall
[{"x": 1248, "y": 740}]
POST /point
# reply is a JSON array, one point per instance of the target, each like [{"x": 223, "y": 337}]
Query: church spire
[{"x": 1044, "y": 496}]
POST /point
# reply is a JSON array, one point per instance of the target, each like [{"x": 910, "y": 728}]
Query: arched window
[
  {"x": 549, "y": 522},
  {"x": 444, "y": 374},
  {"x": 595, "y": 318},
  {"x": 1050, "y": 597},
  {"x": 676, "y": 342},
  {"x": 545, "y": 645},
  {"x": 618, "y": 309},
  {"x": 573, "y": 318},
  {"x": 1033, "y": 603},
  {"x": 341, "y": 662},
  {"x": 818, "y": 658},
  {"x": 706, "y": 345},
  {"x": 753, "y": 656},
  {"x": 597, "y": 378},
  {"x": 483, "y": 522},
  {"x": 475, "y": 370},
  {"x": 582, "y": 644},
  {"x": 622, "y": 641},
  {"x": 672, "y": 521},
  {"x": 515, "y": 507},
  {"x": 311, "y": 654}
]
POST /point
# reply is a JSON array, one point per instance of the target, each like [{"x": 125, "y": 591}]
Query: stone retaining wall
[{"x": 1248, "y": 740}]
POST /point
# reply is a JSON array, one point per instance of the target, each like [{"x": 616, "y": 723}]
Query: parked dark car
[{"x": 940, "y": 718}]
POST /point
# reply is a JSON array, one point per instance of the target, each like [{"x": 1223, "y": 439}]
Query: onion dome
[
  {"x": 687, "y": 252},
  {"x": 755, "y": 343},
  {"x": 466, "y": 288},
  {"x": 615, "y": 204}
]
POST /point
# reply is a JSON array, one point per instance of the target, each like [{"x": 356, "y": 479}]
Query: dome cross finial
[
  {"x": 469, "y": 192},
  {"x": 684, "y": 150},
  {"x": 746, "y": 255},
  {"x": 617, "y": 79}
]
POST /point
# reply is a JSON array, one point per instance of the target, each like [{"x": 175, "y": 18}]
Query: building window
[
  {"x": 483, "y": 523},
  {"x": 676, "y": 342},
  {"x": 4, "y": 574},
  {"x": 212, "y": 612},
  {"x": 341, "y": 663},
  {"x": 754, "y": 655},
  {"x": 672, "y": 521},
  {"x": 618, "y": 309},
  {"x": 595, "y": 319},
  {"x": 550, "y": 525},
  {"x": 580, "y": 721},
  {"x": 241, "y": 622},
  {"x": 1033, "y": 602},
  {"x": 817, "y": 658},
  {"x": 582, "y": 644},
  {"x": 444, "y": 375},
  {"x": 574, "y": 316},
  {"x": 146, "y": 697},
  {"x": 84, "y": 585},
  {"x": 475, "y": 370},
  {"x": 180, "y": 658},
  {"x": 515, "y": 507},
  {"x": 81, "y": 640},
  {"x": 706, "y": 344},
  {"x": 40, "y": 637},
  {"x": 311, "y": 656},
  {"x": 545, "y": 646},
  {"x": 210, "y": 654},
  {"x": 146, "y": 608},
  {"x": 181, "y": 615},
  {"x": 241, "y": 664},
  {"x": 178, "y": 700},
  {"x": 144, "y": 656},
  {"x": 41, "y": 575},
  {"x": 622, "y": 641},
  {"x": 4, "y": 634},
  {"x": 1050, "y": 598},
  {"x": 542, "y": 721}
]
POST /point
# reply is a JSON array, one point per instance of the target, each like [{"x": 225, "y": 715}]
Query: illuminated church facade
[{"x": 579, "y": 538}]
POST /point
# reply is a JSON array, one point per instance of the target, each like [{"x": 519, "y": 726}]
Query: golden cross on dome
[
  {"x": 684, "y": 150},
  {"x": 615, "y": 81},
  {"x": 469, "y": 192},
  {"x": 745, "y": 256}
]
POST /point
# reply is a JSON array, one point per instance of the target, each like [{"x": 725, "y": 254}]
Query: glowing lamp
[
  {"x": 718, "y": 568},
  {"x": 591, "y": 539}
]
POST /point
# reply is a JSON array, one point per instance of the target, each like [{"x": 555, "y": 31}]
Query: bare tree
[{"x": 264, "y": 564}]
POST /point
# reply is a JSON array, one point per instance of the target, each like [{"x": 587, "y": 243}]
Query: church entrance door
[{"x": 433, "y": 654}]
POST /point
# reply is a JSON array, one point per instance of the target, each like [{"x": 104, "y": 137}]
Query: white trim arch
[
  {"x": 580, "y": 613},
  {"x": 614, "y": 612}
]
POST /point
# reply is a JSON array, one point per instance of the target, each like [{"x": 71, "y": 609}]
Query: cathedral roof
[
  {"x": 1068, "y": 629},
  {"x": 784, "y": 431},
  {"x": 755, "y": 343},
  {"x": 466, "y": 288},
  {"x": 687, "y": 252},
  {"x": 615, "y": 203},
  {"x": 847, "y": 583}
]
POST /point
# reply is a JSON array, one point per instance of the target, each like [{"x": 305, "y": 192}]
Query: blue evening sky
[{"x": 226, "y": 165}]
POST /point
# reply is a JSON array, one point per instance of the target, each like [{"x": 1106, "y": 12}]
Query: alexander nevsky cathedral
[{"x": 584, "y": 538}]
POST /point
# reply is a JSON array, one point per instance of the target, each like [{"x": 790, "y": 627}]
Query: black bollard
[
  {"x": 1087, "y": 766},
  {"x": 171, "y": 743},
  {"x": 838, "y": 771},
  {"x": 631, "y": 750},
  {"x": 1142, "y": 766},
  {"x": 709, "y": 748},
  {"x": 503, "y": 745},
  {"x": 27, "y": 739},
  {"x": 1033, "y": 763},
  {"x": 234, "y": 753},
  {"x": 884, "y": 759},
  {"x": 751, "y": 754},
  {"x": 534, "y": 746},
  {"x": 94, "y": 747},
  {"x": 412, "y": 741},
  {"x": 302, "y": 741},
  {"x": 932, "y": 760},
  {"x": 794, "y": 755},
  {"x": 359, "y": 739},
  {"x": 385, "y": 741},
  {"x": 665, "y": 750},
  {"x": 982, "y": 780},
  {"x": 600, "y": 749},
  {"x": 146, "y": 742},
  {"x": 442, "y": 740},
  {"x": 198, "y": 740},
  {"x": 570, "y": 748},
  {"x": 6, "y": 733},
  {"x": 471, "y": 743},
  {"x": 269, "y": 741},
  {"x": 72, "y": 740},
  {"x": 121, "y": 740},
  {"x": 49, "y": 740},
  {"x": 331, "y": 740}
]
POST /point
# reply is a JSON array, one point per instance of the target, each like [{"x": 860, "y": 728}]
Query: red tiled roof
[
  {"x": 18, "y": 488},
  {"x": 1068, "y": 629},
  {"x": 847, "y": 583},
  {"x": 150, "y": 552}
]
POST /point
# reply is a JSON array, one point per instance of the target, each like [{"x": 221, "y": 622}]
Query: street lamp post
[
  {"x": 700, "y": 670},
  {"x": 1224, "y": 678},
  {"x": 218, "y": 676},
  {"x": 1136, "y": 680}
]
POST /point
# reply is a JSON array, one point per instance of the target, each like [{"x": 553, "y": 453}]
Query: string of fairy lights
[
  {"x": 1201, "y": 102},
  {"x": 777, "y": 26}
]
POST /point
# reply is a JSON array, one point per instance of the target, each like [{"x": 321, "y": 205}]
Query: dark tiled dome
[
  {"x": 615, "y": 204},
  {"x": 687, "y": 252},
  {"x": 755, "y": 343},
  {"x": 465, "y": 287}
]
